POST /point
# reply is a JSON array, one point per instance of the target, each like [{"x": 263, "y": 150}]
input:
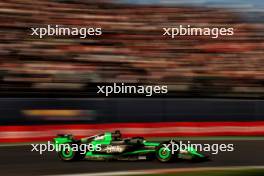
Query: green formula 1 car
[{"x": 111, "y": 146}]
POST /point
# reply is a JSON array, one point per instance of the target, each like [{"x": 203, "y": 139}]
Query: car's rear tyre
[
  {"x": 68, "y": 154},
  {"x": 165, "y": 154}
]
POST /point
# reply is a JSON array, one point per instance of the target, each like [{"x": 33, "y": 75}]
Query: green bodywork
[{"x": 149, "y": 148}]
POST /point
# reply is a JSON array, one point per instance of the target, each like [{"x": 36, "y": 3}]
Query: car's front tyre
[{"x": 165, "y": 154}]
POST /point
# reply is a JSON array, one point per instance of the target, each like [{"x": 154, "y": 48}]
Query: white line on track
[
  {"x": 107, "y": 173},
  {"x": 162, "y": 171}
]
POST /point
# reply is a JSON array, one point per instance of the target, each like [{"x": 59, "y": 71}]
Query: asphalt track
[{"x": 19, "y": 160}]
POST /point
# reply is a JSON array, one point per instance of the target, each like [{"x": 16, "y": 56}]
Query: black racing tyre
[
  {"x": 68, "y": 154},
  {"x": 165, "y": 154}
]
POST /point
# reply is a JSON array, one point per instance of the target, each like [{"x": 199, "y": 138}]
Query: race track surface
[{"x": 19, "y": 160}]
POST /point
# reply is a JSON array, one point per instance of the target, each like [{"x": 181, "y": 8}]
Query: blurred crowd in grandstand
[{"x": 132, "y": 48}]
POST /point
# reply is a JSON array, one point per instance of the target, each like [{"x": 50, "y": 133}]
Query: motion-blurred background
[
  {"x": 132, "y": 48},
  {"x": 51, "y": 81},
  {"x": 216, "y": 86}
]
